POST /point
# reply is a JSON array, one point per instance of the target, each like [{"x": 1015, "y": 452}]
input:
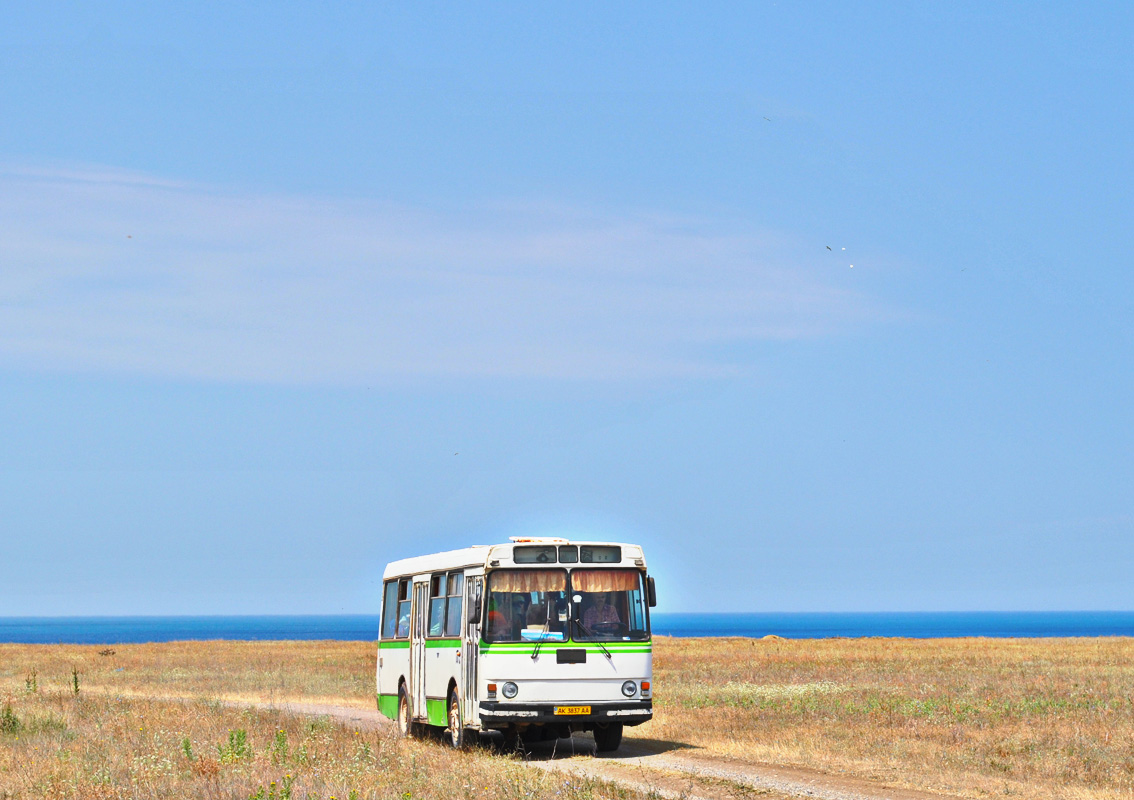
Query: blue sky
[{"x": 289, "y": 291}]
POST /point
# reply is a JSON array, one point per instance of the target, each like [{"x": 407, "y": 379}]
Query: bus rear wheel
[
  {"x": 458, "y": 733},
  {"x": 608, "y": 737}
]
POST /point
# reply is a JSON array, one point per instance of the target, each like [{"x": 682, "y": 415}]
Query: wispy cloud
[{"x": 110, "y": 270}]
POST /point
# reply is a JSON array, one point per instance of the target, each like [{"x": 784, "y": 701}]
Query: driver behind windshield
[{"x": 600, "y": 611}]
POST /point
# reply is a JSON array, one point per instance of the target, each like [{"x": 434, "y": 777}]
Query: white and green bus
[{"x": 537, "y": 638}]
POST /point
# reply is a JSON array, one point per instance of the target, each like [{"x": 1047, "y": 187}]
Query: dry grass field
[
  {"x": 972, "y": 717},
  {"x": 109, "y": 741},
  {"x": 1036, "y": 718}
]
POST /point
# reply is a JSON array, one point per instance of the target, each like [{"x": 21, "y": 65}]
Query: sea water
[{"x": 363, "y": 627}]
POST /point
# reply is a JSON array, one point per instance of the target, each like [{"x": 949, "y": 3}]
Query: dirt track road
[{"x": 665, "y": 768}]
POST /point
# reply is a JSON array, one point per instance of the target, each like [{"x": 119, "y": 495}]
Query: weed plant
[
  {"x": 9, "y": 722},
  {"x": 237, "y": 748}
]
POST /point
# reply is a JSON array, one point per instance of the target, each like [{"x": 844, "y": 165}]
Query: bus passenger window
[
  {"x": 403, "y": 608},
  {"x": 390, "y": 610},
  {"x": 438, "y": 597},
  {"x": 453, "y": 619}
]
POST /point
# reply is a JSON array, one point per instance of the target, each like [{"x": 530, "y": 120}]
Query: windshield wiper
[
  {"x": 542, "y": 633},
  {"x": 594, "y": 636}
]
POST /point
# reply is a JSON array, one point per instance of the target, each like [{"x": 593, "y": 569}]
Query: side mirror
[
  {"x": 651, "y": 592},
  {"x": 474, "y": 611}
]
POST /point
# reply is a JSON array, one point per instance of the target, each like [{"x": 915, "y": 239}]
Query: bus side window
[
  {"x": 390, "y": 610},
  {"x": 403, "y": 608},
  {"x": 437, "y": 599},
  {"x": 456, "y": 589},
  {"x": 635, "y": 613}
]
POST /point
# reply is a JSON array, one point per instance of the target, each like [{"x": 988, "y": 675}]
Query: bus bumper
[{"x": 496, "y": 714}]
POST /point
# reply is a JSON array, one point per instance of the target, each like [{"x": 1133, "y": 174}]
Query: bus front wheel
[
  {"x": 608, "y": 737},
  {"x": 458, "y": 734}
]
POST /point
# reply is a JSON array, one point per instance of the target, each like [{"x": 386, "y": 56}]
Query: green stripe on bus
[
  {"x": 554, "y": 645},
  {"x": 437, "y": 712},
  {"x": 517, "y": 647},
  {"x": 608, "y": 645},
  {"x": 526, "y": 648},
  {"x": 502, "y": 651},
  {"x": 388, "y": 705},
  {"x": 561, "y": 646},
  {"x": 442, "y": 643}
]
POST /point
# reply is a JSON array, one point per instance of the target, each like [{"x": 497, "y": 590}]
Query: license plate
[{"x": 562, "y": 710}]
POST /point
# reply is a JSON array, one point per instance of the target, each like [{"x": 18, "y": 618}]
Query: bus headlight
[
  {"x": 509, "y": 690},
  {"x": 629, "y": 688}
]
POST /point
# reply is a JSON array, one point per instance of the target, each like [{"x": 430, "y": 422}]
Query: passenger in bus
[
  {"x": 403, "y": 624},
  {"x": 506, "y": 616},
  {"x": 496, "y": 620},
  {"x": 520, "y": 604},
  {"x": 600, "y": 611}
]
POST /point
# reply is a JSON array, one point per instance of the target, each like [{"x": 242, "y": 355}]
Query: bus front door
[
  {"x": 419, "y": 614},
  {"x": 474, "y": 587}
]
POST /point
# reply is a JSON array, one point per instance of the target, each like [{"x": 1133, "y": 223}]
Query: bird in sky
[{"x": 828, "y": 247}]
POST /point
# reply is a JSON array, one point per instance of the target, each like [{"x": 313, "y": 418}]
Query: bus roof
[
  {"x": 483, "y": 555},
  {"x": 473, "y": 556}
]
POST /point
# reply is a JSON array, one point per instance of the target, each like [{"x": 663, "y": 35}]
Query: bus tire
[
  {"x": 458, "y": 734},
  {"x": 608, "y": 737},
  {"x": 406, "y": 726}
]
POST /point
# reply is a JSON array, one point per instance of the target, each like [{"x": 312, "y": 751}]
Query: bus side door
[{"x": 420, "y": 616}]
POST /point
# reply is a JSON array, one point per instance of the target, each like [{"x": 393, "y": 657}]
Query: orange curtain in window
[
  {"x": 604, "y": 580},
  {"x": 528, "y": 580}
]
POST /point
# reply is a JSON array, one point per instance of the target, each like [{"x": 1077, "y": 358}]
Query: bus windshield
[
  {"x": 608, "y": 605},
  {"x": 532, "y": 605},
  {"x": 527, "y": 605}
]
